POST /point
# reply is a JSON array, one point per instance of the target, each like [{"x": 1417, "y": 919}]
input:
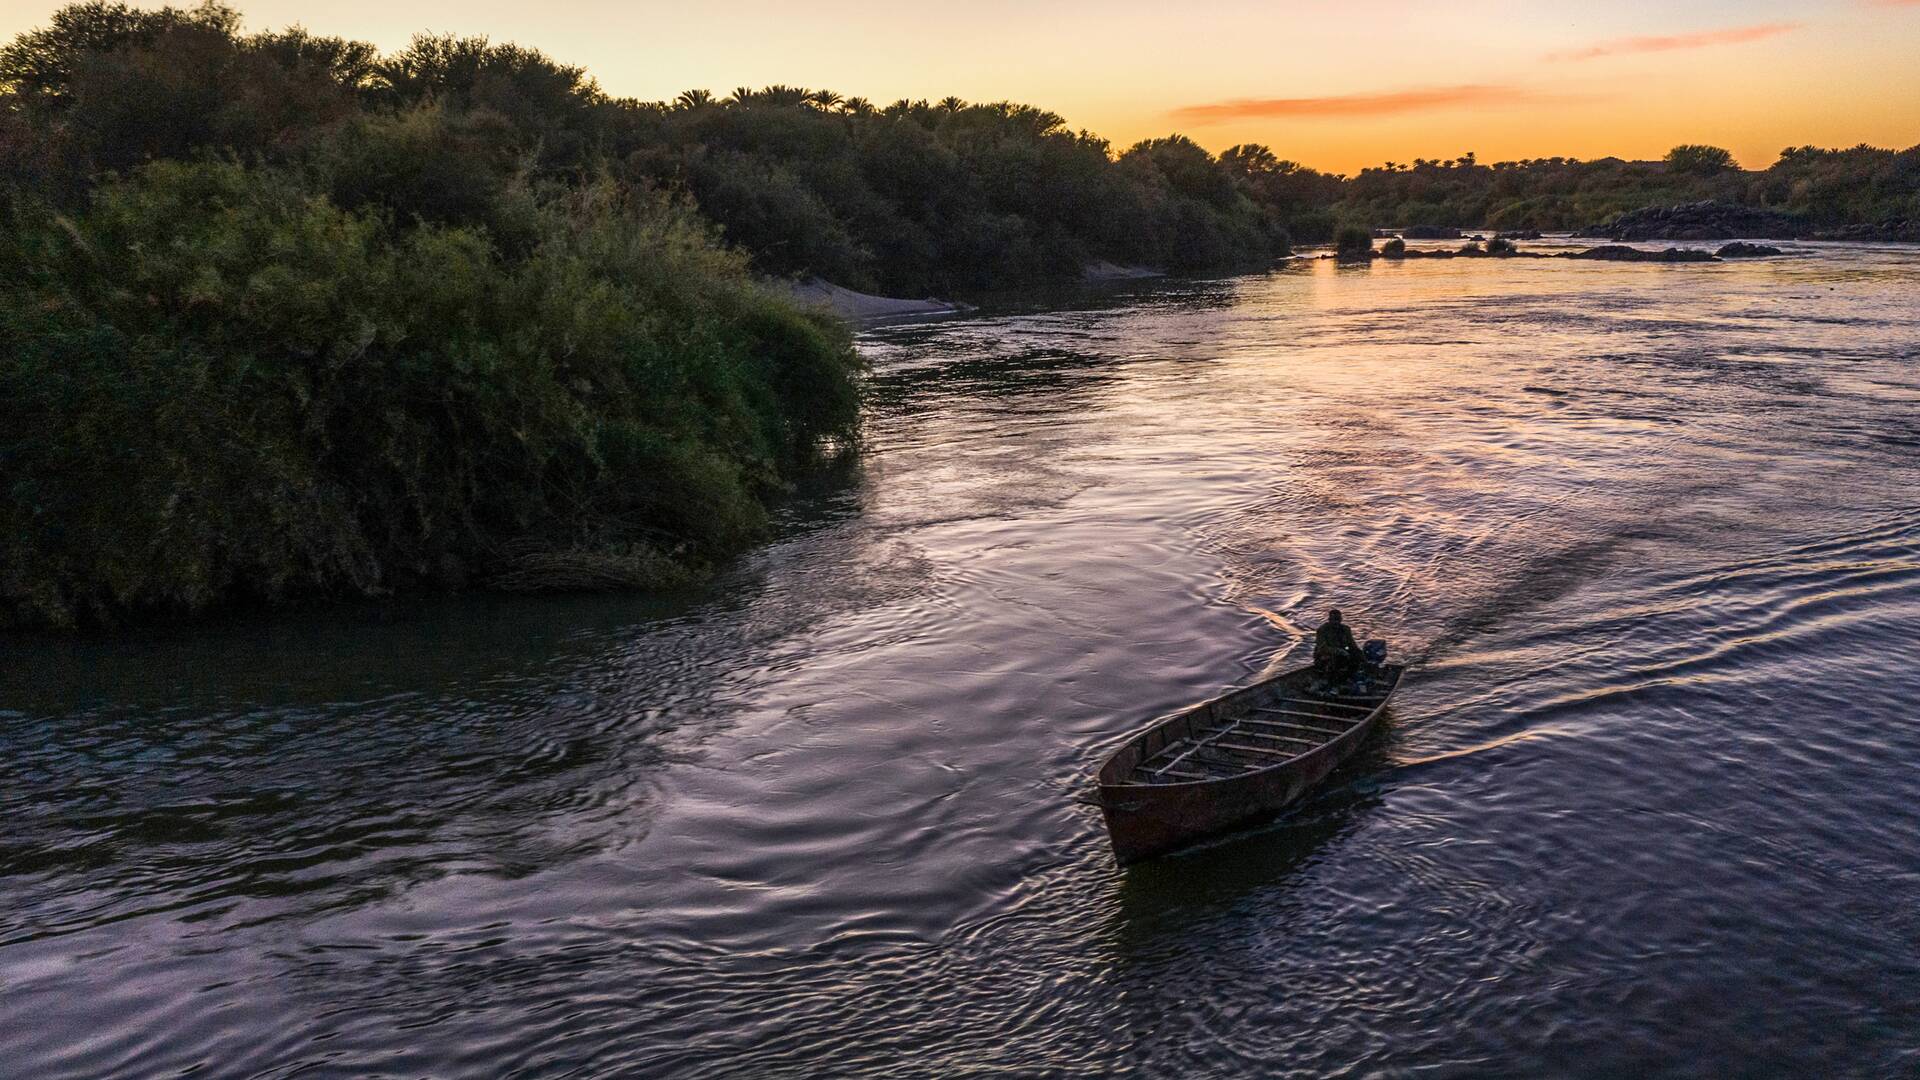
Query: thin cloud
[
  {"x": 1388, "y": 104},
  {"x": 1732, "y": 35}
]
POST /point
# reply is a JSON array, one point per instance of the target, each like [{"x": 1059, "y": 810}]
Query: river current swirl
[{"x": 1647, "y": 805}]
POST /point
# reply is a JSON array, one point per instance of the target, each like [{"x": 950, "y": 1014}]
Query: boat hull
[{"x": 1146, "y": 820}]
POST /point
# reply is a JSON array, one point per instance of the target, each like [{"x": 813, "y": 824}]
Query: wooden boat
[{"x": 1234, "y": 760}]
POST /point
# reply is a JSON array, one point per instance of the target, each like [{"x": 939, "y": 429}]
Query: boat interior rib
[{"x": 1265, "y": 732}]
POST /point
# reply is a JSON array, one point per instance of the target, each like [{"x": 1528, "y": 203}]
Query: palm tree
[
  {"x": 951, "y": 105},
  {"x": 1249, "y": 159},
  {"x": 1038, "y": 122},
  {"x": 857, "y": 106},
  {"x": 824, "y": 99},
  {"x": 783, "y": 96},
  {"x": 693, "y": 99}
]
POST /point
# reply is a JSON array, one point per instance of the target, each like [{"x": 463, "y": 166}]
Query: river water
[{"x": 1647, "y": 805}]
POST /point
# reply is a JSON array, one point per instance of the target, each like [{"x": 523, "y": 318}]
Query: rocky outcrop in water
[
  {"x": 1622, "y": 253},
  {"x": 1604, "y": 253},
  {"x": 1494, "y": 250},
  {"x": 1518, "y": 234},
  {"x": 1699, "y": 221}
]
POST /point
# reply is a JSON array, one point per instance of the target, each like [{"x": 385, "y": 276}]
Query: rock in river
[
  {"x": 1699, "y": 221},
  {"x": 1623, "y": 253}
]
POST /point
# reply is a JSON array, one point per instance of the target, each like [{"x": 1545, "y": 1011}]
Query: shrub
[
  {"x": 217, "y": 385},
  {"x": 1692, "y": 159},
  {"x": 1312, "y": 226},
  {"x": 1500, "y": 245},
  {"x": 1352, "y": 242},
  {"x": 1395, "y": 248}
]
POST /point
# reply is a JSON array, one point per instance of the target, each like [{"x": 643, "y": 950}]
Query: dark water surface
[{"x": 1649, "y": 806}]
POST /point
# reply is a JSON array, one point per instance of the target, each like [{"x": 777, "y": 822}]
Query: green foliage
[
  {"x": 1183, "y": 212},
  {"x": 1501, "y": 246},
  {"x": 1395, "y": 248},
  {"x": 550, "y": 112},
  {"x": 280, "y": 317},
  {"x": 1353, "y": 242},
  {"x": 1178, "y": 164},
  {"x": 44, "y": 66},
  {"x": 108, "y": 87},
  {"x": 1292, "y": 194},
  {"x": 1693, "y": 159},
  {"x": 217, "y": 384},
  {"x": 918, "y": 198},
  {"x": 1862, "y": 185}
]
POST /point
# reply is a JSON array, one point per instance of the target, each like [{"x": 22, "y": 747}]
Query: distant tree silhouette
[{"x": 1696, "y": 160}]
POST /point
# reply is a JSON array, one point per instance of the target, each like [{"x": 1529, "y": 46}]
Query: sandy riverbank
[
  {"x": 1109, "y": 271},
  {"x": 861, "y": 307}
]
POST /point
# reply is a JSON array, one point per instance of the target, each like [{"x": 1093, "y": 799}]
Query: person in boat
[{"x": 1336, "y": 656}]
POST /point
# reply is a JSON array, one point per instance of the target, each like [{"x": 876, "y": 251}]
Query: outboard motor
[{"x": 1375, "y": 650}]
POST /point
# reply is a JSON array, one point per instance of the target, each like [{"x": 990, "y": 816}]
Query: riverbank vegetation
[
  {"x": 1825, "y": 189},
  {"x": 282, "y": 316},
  {"x": 219, "y": 384},
  {"x": 261, "y": 341}
]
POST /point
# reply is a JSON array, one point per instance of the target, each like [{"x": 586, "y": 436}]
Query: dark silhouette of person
[{"x": 1336, "y": 656}]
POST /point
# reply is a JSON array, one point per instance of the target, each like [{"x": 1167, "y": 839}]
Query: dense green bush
[
  {"x": 1693, "y": 159},
  {"x": 1352, "y": 242},
  {"x": 1861, "y": 185},
  {"x": 216, "y": 384}
]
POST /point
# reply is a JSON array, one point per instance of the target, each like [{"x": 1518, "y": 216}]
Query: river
[{"x": 1647, "y": 804}]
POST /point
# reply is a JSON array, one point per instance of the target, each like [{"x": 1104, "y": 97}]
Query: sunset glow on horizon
[{"x": 1335, "y": 86}]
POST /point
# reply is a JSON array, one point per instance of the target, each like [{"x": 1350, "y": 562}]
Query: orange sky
[{"x": 1334, "y": 85}]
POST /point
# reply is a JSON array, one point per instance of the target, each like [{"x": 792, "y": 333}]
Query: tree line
[
  {"x": 910, "y": 198},
  {"x": 1828, "y": 189}
]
